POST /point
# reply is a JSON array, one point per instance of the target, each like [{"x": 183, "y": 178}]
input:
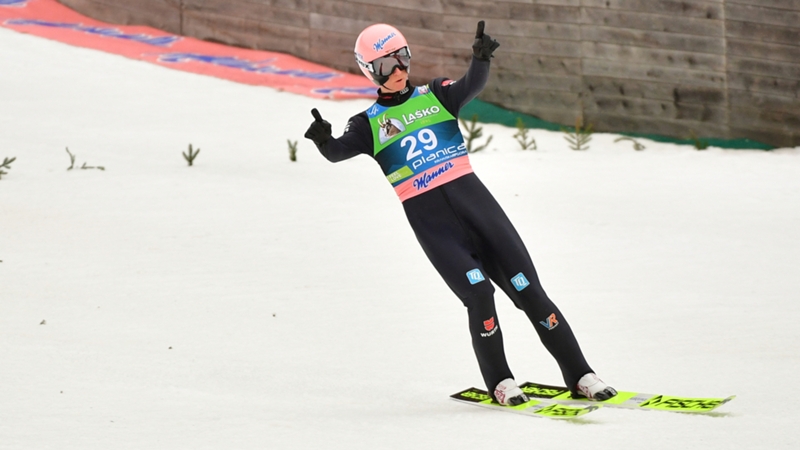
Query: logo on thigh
[
  {"x": 475, "y": 276},
  {"x": 520, "y": 282},
  {"x": 491, "y": 326},
  {"x": 550, "y": 323}
]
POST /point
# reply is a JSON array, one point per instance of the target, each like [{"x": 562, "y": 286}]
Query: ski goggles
[{"x": 383, "y": 67}]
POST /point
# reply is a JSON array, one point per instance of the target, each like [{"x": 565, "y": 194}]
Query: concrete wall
[{"x": 715, "y": 68}]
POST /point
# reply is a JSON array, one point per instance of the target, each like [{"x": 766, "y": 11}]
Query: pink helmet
[{"x": 377, "y": 42}]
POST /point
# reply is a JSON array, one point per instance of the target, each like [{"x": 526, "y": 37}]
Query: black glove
[
  {"x": 320, "y": 130},
  {"x": 484, "y": 45}
]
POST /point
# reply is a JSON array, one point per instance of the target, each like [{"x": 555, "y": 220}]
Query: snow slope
[{"x": 251, "y": 302}]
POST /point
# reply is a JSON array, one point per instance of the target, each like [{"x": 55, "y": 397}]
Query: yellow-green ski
[
  {"x": 629, "y": 400},
  {"x": 534, "y": 407}
]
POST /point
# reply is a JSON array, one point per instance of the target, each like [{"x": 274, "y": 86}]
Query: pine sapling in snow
[
  {"x": 636, "y": 145},
  {"x": 84, "y": 166},
  {"x": 191, "y": 155},
  {"x": 699, "y": 144},
  {"x": 474, "y": 132},
  {"x": 580, "y": 137},
  {"x": 522, "y": 136},
  {"x": 6, "y": 165}
]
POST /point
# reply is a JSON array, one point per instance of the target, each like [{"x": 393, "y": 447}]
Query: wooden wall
[
  {"x": 715, "y": 68},
  {"x": 763, "y": 69}
]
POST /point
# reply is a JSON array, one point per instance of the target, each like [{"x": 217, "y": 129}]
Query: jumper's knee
[
  {"x": 531, "y": 299},
  {"x": 477, "y": 295}
]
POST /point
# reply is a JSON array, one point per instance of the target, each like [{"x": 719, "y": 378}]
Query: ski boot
[
  {"x": 507, "y": 393},
  {"x": 593, "y": 388}
]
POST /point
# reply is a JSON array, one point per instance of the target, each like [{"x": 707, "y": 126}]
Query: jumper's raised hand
[
  {"x": 484, "y": 45},
  {"x": 320, "y": 129}
]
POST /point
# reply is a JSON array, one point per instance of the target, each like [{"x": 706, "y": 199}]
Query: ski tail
[{"x": 534, "y": 407}]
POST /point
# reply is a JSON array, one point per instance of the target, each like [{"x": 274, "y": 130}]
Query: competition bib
[{"x": 418, "y": 144}]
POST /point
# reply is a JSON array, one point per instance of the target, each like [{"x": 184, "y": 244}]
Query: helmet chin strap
[
  {"x": 400, "y": 92},
  {"x": 405, "y": 88}
]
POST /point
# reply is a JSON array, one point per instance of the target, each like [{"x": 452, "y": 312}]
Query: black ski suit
[{"x": 466, "y": 234}]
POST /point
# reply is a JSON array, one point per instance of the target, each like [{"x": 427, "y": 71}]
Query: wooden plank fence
[{"x": 712, "y": 68}]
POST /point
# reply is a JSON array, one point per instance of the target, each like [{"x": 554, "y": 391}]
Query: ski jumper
[{"x": 414, "y": 136}]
